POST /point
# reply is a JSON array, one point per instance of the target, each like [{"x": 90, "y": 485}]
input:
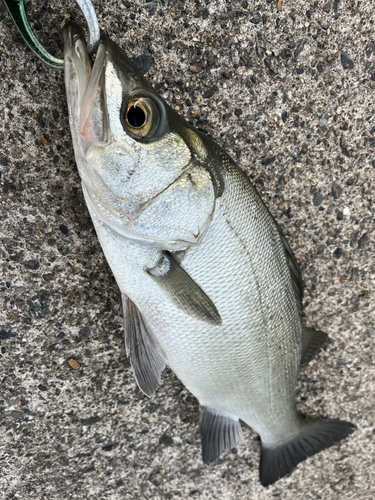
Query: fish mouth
[{"x": 84, "y": 81}]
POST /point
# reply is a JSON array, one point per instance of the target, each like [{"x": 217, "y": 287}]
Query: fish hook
[{"x": 16, "y": 9}]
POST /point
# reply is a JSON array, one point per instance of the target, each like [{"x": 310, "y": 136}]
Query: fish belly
[{"x": 246, "y": 367}]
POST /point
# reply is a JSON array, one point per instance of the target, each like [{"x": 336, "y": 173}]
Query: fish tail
[{"x": 315, "y": 435}]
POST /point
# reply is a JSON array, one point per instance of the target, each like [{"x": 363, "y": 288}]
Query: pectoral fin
[
  {"x": 145, "y": 357},
  {"x": 184, "y": 292}
]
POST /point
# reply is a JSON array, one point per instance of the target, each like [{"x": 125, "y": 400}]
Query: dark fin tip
[{"x": 315, "y": 436}]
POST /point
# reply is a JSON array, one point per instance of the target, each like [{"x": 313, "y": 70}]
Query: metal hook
[{"x": 16, "y": 9}]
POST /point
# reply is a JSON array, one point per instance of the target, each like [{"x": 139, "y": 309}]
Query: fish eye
[{"x": 141, "y": 117}]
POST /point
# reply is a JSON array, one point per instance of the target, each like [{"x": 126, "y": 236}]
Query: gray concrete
[{"x": 89, "y": 433}]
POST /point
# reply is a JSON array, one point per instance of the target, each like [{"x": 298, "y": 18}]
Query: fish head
[{"x": 132, "y": 149}]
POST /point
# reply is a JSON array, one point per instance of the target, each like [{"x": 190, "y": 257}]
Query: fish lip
[
  {"x": 77, "y": 69},
  {"x": 72, "y": 31},
  {"x": 94, "y": 92},
  {"x": 75, "y": 50},
  {"x": 84, "y": 81}
]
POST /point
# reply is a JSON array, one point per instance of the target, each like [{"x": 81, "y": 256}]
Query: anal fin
[
  {"x": 145, "y": 357},
  {"x": 218, "y": 433},
  {"x": 312, "y": 342}
]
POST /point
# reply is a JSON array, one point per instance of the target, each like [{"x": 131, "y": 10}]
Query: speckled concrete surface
[{"x": 290, "y": 93}]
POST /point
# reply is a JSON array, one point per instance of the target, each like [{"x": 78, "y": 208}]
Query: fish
[{"x": 209, "y": 285}]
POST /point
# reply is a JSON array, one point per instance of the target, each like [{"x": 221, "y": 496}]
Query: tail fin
[{"x": 314, "y": 436}]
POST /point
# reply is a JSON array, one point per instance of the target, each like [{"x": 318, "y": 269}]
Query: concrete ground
[{"x": 288, "y": 89}]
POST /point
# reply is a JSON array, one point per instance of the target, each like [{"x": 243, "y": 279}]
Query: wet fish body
[{"x": 209, "y": 285}]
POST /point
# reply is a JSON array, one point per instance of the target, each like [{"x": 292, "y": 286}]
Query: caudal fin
[{"x": 315, "y": 436}]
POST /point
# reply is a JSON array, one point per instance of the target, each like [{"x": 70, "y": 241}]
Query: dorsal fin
[
  {"x": 145, "y": 357},
  {"x": 294, "y": 269}
]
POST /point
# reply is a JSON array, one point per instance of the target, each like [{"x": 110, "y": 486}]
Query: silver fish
[{"x": 209, "y": 285}]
